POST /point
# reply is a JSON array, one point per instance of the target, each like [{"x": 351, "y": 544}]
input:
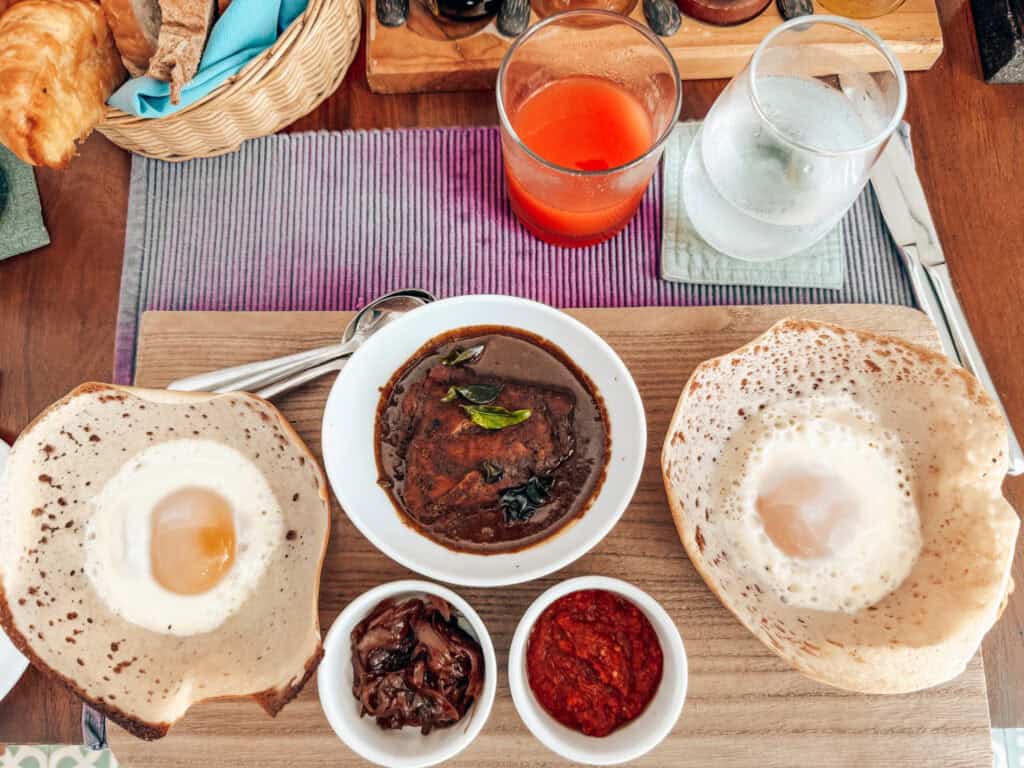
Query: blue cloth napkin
[{"x": 247, "y": 29}]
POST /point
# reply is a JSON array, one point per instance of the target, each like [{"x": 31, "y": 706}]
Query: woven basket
[{"x": 287, "y": 81}]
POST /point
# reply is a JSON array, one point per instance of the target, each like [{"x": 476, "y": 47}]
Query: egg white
[
  {"x": 118, "y": 534},
  {"x": 865, "y": 560}
]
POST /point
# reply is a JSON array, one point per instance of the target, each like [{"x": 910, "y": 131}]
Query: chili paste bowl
[
  {"x": 632, "y": 739},
  {"x": 350, "y": 440},
  {"x": 405, "y": 747}
]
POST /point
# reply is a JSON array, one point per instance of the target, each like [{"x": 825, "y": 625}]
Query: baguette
[
  {"x": 186, "y": 25},
  {"x": 136, "y": 28},
  {"x": 58, "y": 67}
]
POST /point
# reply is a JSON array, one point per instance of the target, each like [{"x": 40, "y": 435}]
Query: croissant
[{"x": 58, "y": 67}]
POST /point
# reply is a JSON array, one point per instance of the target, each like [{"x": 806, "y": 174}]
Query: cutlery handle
[
  {"x": 271, "y": 374},
  {"x": 303, "y": 377},
  {"x": 970, "y": 355},
  {"x": 925, "y": 293},
  {"x": 242, "y": 377}
]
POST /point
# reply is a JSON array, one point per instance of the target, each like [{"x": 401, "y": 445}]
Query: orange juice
[{"x": 580, "y": 123}]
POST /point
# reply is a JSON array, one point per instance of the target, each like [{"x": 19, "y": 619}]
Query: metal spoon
[{"x": 253, "y": 377}]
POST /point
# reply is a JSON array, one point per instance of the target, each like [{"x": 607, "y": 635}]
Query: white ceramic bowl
[
  {"x": 406, "y": 747},
  {"x": 631, "y": 740},
  {"x": 348, "y": 440}
]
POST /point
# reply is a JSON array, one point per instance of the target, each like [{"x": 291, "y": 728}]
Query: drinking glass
[
  {"x": 788, "y": 146},
  {"x": 862, "y": 9},
  {"x": 622, "y": 68}
]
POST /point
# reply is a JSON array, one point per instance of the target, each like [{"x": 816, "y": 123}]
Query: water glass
[{"x": 789, "y": 145}]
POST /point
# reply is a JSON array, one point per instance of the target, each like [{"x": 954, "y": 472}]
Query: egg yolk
[
  {"x": 193, "y": 540},
  {"x": 807, "y": 514}
]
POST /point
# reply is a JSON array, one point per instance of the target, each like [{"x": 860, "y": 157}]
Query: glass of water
[{"x": 788, "y": 146}]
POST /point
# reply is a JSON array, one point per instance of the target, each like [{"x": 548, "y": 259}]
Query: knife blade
[{"x": 905, "y": 210}]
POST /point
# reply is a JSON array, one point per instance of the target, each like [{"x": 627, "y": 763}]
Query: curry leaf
[
  {"x": 521, "y": 501},
  {"x": 462, "y": 356},
  {"x": 491, "y": 472},
  {"x": 478, "y": 394},
  {"x": 496, "y": 417}
]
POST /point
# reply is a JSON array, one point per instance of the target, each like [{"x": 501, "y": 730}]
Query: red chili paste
[{"x": 593, "y": 661}]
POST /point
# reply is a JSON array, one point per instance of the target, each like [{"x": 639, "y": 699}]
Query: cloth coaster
[
  {"x": 685, "y": 257},
  {"x": 21, "y": 217}
]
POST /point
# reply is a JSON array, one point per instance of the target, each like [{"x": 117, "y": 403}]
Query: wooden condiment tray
[{"x": 425, "y": 54}]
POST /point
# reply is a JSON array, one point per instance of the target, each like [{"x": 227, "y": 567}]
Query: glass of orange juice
[{"x": 587, "y": 99}]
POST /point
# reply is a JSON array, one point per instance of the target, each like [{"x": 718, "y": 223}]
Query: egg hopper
[
  {"x": 142, "y": 679},
  {"x": 927, "y": 629},
  {"x": 746, "y": 706}
]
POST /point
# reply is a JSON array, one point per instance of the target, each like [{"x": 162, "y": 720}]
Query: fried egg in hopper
[
  {"x": 162, "y": 548},
  {"x": 841, "y": 493}
]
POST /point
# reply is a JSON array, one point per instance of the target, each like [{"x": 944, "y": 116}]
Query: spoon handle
[
  {"x": 304, "y": 377},
  {"x": 267, "y": 376},
  {"x": 242, "y": 377}
]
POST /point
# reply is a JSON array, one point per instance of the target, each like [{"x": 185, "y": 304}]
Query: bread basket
[{"x": 287, "y": 81}]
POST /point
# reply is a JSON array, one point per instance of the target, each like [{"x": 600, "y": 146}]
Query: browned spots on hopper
[
  {"x": 810, "y": 648},
  {"x": 94, "y": 438},
  {"x": 699, "y": 538},
  {"x": 121, "y": 666},
  {"x": 291, "y": 535},
  {"x": 871, "y": 365},
  {"x": 37, "y": 512}
]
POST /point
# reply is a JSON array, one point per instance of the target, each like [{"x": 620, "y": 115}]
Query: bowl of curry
[{"x": 484, "y": 440}]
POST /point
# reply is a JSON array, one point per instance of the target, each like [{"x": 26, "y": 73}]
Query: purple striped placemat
[{"x": 327, "y": 221}]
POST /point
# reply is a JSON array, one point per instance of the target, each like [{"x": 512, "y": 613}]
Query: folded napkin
[
  {"x": 246, "y": 30},
  {"x": 21, "y": 217},
  {"x": 686, "y": 258}
]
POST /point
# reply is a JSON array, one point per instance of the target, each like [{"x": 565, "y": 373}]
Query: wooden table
[{"x": 58, "y": 306}]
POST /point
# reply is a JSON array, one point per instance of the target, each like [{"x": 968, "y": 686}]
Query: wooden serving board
[
  {"x": 425, "y": 54},
  {"x": 745, "y": 707}
]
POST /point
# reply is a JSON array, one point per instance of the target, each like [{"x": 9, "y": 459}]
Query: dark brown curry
[{"x": 489, "y": 439}]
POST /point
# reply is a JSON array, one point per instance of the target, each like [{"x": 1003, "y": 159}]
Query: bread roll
[
  {"x": 186, "y": 25},
  {"x": 58, "y": 67},
  {"x": 136, "y": 28}
]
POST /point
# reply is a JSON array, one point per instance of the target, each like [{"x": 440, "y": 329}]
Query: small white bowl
[
  {"x": 406, "y": 747},
  {"x": 349, "y": 451},
  {"x": 632, "y": 740}
]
